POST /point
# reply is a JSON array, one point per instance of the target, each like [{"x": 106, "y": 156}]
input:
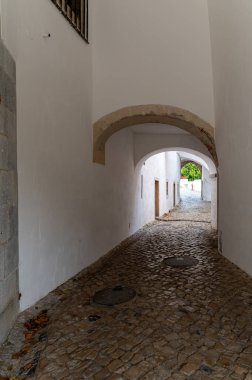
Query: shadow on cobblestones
[{"x": 185, "y": 323}]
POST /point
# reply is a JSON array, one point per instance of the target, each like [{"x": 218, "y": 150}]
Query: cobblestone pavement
[
  {"x": 184, "y": 323},
  {"x": 191, "y": 208}
]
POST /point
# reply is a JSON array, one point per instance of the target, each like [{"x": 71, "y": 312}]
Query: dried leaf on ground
[
  {"x": 28, "y": 365},
  {"x": 26, "y": 349},
  {"x": 38, "y": 322},
  {"x": 16, "y": 355},
  {"x": 28, "y": 335}
]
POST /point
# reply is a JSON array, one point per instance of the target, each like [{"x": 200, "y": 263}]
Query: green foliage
[{"x": 191, "y": 172}]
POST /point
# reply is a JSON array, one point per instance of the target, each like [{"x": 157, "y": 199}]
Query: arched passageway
[
  {"x": 151, "y": 125},
  {"x": 105, "y": 127},
  {"x": 165, "y": 265},
  {"x": 164, "y": 167}
]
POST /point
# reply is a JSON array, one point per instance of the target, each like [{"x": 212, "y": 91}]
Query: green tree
[{"x": 191, "y": 171}]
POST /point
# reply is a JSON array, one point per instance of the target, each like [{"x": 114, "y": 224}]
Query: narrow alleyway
[
  {"x": 184, "y": 322},
  {"x": 191, "y": 208}
]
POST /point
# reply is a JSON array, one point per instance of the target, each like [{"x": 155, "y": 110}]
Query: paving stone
[
  {"x": 193, "y": 322},
  {"x": 240, "y": 370},
  {"x": 115, "y": 377},
  {"x": 103, "y": 374},
  {"x": 115, "y": 364},
  {"x": 137, "y": 358},
  {"x": 133, "y": 373},
  {"x": 189, "y": 368}
]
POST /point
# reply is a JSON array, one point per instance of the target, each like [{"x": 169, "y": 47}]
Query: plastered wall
[
  {"x": 54, "y": 145},
  {"x": 71, "y": 211},
  {"x": 145, "y": 53},
  {"x": 164, "y": 167},
  {"x": 206, "y": 182},
  {"x": 231, "y": 30}
]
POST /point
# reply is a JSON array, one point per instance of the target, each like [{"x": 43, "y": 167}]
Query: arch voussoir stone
[{"x": 125, "y": 117}]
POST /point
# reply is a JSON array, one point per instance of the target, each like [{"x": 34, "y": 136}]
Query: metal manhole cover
[
  {"x": 181, "y": 261},
  {"x": 114, "y": 296}
]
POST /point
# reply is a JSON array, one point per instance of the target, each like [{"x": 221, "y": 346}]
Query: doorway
[{"x": 156, "y": 198}]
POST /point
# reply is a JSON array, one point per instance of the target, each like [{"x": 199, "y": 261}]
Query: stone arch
[
  {"x": 125, "y": 117},
  {"x": 200, "y": 159},
  {"x": 206, "y": 161}
]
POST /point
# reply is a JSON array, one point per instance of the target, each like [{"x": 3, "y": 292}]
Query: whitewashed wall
[
  {"x": 231, "y": 31},
  {"x": 215, "y": 210},
  {"x": 153, "y": 168},
  {"x": 173, "y": 176},
  {"x": 151, "y": 52},
  {"x": 206, "y": 188},
  {"x": 72, "y": 211},
  {"x": 191, "y": 185},
  {"x": 54, "y": 144},
  {"x": 162, "y": 167}
]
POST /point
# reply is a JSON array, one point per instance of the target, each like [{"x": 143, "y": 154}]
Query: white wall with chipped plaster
[
  {"x": 231, "y": 31},
  {"x": 151, "y": 53}
]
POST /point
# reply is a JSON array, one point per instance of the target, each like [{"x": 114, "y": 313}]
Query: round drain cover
[
  {"x": 114, "y": 296},
  {"x": 181, "y": 261}
]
